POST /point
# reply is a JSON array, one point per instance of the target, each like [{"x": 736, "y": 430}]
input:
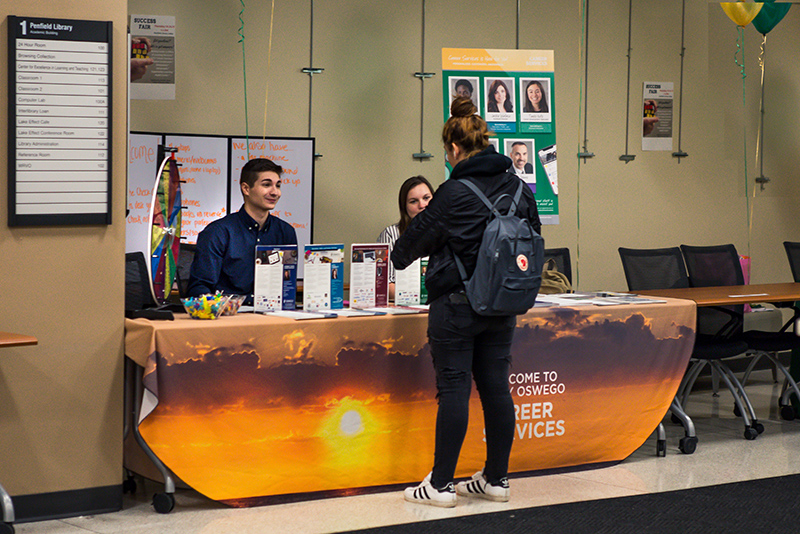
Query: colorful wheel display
[{"x": 165, "y": 230}]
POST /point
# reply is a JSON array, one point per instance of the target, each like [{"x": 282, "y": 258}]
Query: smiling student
[{"x": 225, "y": 256}]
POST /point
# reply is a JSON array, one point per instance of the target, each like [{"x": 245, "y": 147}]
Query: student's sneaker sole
[{"x": 478, "y": 487}]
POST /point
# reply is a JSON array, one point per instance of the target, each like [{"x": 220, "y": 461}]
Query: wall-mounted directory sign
[{"x": 59, "y": 112}]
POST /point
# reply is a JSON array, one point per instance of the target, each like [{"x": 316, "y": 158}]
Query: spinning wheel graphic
[{"x": 165, "y": 230}]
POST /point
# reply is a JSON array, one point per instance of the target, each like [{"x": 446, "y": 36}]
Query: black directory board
[{"x": 59, "y": 121}]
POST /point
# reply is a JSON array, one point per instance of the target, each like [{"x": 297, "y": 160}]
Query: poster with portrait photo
[
  {"x": 465, "y": 86},
  {"x": 521, "y": 151},
  {"x": 500, "y": 104},
  {"x": 535, "y": 96}
]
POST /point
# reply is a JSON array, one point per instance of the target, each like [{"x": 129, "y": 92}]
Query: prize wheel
[{"x": 165, "y": 230}]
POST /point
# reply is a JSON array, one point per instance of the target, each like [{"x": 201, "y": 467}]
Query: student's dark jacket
[{"x": 456, "y": 218}]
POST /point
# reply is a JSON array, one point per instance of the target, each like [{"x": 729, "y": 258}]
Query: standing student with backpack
[{"x": 464, "y": 344}]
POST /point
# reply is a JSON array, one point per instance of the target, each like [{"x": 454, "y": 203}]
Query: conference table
[
  {"x": 9, "y": 339},
  {"x": 251, "y": 409},
  {"x": 732, "y": 295}
]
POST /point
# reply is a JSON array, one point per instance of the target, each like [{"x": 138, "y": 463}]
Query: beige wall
[
  {"x": 366, "y": 113},
  {"x": 61, "y": 401}
]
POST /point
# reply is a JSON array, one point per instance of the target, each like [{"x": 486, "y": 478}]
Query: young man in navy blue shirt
[{"x": 225, "y": 256}]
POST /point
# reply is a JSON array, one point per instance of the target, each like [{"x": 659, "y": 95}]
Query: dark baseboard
[{"x": 60, "y": 504}]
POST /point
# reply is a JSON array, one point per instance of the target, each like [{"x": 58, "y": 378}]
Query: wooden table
[
  {"x": 7, "y": 339},
  {"x": 731, "y": 295}
]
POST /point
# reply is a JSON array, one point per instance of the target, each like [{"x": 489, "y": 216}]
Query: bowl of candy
[
  {"x": 233, "y": 304},
  {"x": 205, "y": 306}
]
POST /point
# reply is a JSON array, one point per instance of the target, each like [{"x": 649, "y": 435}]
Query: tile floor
[{"x": 723, "y": 455}]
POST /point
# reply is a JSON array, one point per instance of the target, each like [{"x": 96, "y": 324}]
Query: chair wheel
[
  {"x": 6, "y": 528},
  {"x": 758, "y": 426},
  {"x": 661, "y": 448},
  {"x": 163, "y": 502},
  {"x": 688, "y": 444},
  {"x": 750, "y": 433},
  {"x": 736, "y": 410},
  {"x": 675, "y": 419},
  {"x": 788, "y": 413}
]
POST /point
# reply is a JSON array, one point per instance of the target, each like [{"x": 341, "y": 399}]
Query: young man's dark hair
[{"x": 254, "y": 167}]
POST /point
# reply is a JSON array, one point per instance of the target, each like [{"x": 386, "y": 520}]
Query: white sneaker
[
  {"x": 425, "y": 493},
  {"x": 477, "y": 486}
]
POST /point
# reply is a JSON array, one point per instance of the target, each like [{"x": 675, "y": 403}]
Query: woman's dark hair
[
  {"x": 507, "y": 105},
  {"x": 464, "y": 128},
  {"x": 528, "y": 107},
  {"x": 407, "y": 186}
]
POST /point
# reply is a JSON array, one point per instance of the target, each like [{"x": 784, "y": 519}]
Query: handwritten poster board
[
  {"x": 210, "y": 169},
  {"x": 59, "y": 129},
  {"x": 296, "y": 156},
  {"x": 203, "y": 168}
]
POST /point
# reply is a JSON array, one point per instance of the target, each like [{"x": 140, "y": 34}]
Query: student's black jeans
[{"x": 464, "y": 346}]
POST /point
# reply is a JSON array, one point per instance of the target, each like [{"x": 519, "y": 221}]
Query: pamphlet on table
[
  {"x": 369, "y": 275},
  {"x": 275, "y": 278},
  {"x": 409, "y": 284},
  {"x": 323, "y": 282}
]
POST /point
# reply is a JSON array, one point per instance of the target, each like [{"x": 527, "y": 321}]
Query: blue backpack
[{"x": 508, "y": 272}]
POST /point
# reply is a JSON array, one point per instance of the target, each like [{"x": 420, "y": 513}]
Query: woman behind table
[
  {"x": 498, "y": 98},
  {"x": 465, "y": 345},
  {"x": 415, "y": 193},
  {"x": 535, "y": 98}
]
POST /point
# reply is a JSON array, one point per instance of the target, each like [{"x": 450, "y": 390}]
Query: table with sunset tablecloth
[{"x": 249, "y": 407}]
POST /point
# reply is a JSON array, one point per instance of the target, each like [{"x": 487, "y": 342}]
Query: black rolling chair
[
  {"x": 661, "y": 268},
  {"x": 562, "y": 261},
  {"x": 185, "y": 259},
  {"x": 139, "y": 299}
]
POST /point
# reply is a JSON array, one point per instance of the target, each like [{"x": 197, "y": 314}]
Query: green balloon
[{"x": 770, "y": 15}]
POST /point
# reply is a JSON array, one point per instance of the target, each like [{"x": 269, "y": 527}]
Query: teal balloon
[{"x": 770, "y": 15}]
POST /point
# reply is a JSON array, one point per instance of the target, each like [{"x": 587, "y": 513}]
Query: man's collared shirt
[{"x": 225, "y": 258}]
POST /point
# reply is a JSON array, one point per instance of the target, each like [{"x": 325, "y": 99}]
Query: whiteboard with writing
[
  {"x": 142, "y": 168},
  {"x": 203, "y": 168},
  {"x": 296, "y": 156}
]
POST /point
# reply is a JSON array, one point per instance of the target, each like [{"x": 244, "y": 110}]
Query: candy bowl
[
  {"x": 205, "y": 306},
  {"x": 233, "y": 304}
]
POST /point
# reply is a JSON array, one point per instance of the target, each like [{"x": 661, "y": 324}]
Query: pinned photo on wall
[
  {"x": 535, "y": 99},
  {"x": 521, "y": 152},
  {"x": 467, "y": 86},
  {"x": 495, "y": 142},
  {"x": 500, "y": 108}
]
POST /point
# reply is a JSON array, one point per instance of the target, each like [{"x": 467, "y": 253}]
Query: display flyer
[
  {"x": 153, "y": 36},
  {"x": 514, "y": 92},
  {"x": 657, "y": 99},
  {"x": 275, "y": 278},
  {"x": 409, "y": 284},
  {"x": 323, "y": 283},
  {"x": 369, "y": 275}
]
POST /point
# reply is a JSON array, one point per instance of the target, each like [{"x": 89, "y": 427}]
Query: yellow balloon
[{"x": 742, "y": 13}]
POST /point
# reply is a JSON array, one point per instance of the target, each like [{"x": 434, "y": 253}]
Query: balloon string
[
  {"x": 749, "y": 213},
  {"x": 761, "y": 106},
  {"x": 583, "y": 4},
  {"x": 244, "y": 75},
  {"x": 269, "y": 62}
]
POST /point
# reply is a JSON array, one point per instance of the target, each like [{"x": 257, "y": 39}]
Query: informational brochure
[
  {"x": 323, "y": 281},
  {"x": 409, "y": 284},
  {"x": 657, "y": 99},
  {"x": 276, "y": 278},
  {"x": 369, "y": 275}
]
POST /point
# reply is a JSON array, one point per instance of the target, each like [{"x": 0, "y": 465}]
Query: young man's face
[
  {"x": 265, "y": 193},
  {"x": 519, "y": 155}
]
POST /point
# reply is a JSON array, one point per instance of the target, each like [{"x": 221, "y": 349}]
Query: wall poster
[{"x": 514, "y": 92}]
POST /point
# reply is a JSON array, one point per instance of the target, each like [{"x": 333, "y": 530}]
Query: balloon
[
  {"x": 770, "y": 15},
  {"x": 742, "y": 13}
]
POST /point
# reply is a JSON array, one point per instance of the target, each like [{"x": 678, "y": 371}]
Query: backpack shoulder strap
[{"x": 469, "y": 183}]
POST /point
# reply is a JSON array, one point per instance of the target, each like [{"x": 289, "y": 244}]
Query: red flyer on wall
[{"x": 369, "y": 275}]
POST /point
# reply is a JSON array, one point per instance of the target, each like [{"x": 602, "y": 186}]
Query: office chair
[
  {"x": 663, "y": 268},
  {"x": 185, "y": 259},
  {"x": 718, "y": 266},
  {"x": 561, "y": 257},
  {"x": 139, "y": 299}
]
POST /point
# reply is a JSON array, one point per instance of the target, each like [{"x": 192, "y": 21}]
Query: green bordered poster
[{"x": 514, "y": 92}]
